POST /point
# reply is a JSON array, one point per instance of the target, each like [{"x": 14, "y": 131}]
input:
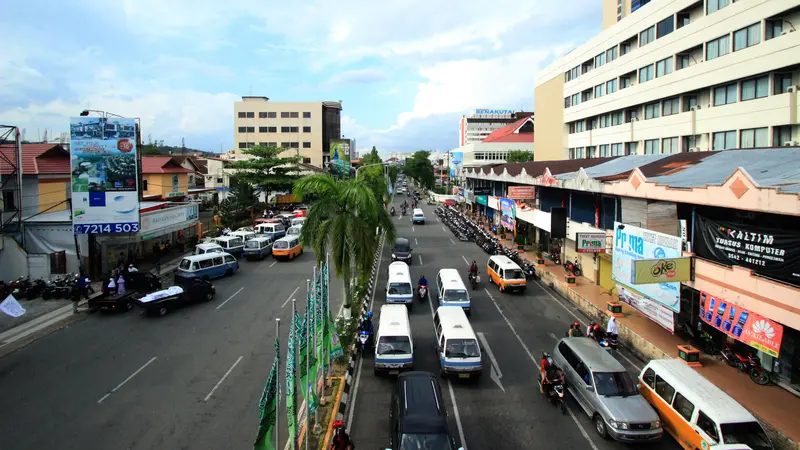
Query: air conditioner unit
[
  {"x": 694, "y": 149},
  {"x": 791, "y": 144},
  {"x": 696, "y": 107},
  {"x": 785, "y": 32}
]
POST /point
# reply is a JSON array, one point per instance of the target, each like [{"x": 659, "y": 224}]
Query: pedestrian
[
  {"x": 132, "y": 269},
  {"x": 80, "y": 287},
  {"x": 111, "y": 286},
  {"x": 181, "y": 243},
  {"x": 121, "y": 285},
  {"x": 612, "y": 331}
]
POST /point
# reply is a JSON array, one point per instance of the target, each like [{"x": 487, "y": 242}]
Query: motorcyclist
[
  {"x": 590, "y": 329},
  {"x": 422, "y": 281},
  {"x": 341, "y": 440},
  {"x": 367, "y": 327},
  {"x": 548, "y": 373},
  {"x": 575, "y": 330},
  {"x": 473, "y": 269},
  {"x": 392, "y": 211}
]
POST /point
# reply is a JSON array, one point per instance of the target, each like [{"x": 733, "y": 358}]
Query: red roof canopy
[
  {"x": 37, "y": 159},
  {"x": 161, "y": 164},
  {"x": 511, "y": 133}
]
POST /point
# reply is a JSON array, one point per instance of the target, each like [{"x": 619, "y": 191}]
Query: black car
[
  {"x": 193, "y": 290},
  {"x": 402, "y": 251},
  {"x": 135, "y": 282},
  {"x": 418, "y": 418}
]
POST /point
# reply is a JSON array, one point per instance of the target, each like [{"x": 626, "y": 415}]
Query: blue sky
[{"x": 405, "y": 71}]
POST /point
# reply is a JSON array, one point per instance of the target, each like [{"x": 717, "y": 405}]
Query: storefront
[
  {"x": 524, "y": 197},
  {"x": 605, "y": 266},
  {"x": 481, "y": 205}
]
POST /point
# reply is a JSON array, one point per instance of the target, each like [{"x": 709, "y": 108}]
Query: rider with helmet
[
  {"x": 548, "y": 373},
  {"x": 473, "y": 268},
  {"x": 367, "y": 327},
  {"x": 575, "y": 330},
  {"x": 341, "y": 440}
]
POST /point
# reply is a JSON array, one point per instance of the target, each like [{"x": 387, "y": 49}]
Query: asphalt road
[
  {"x": 188, "y": 380},
  {"x": 506, "y": 412}
]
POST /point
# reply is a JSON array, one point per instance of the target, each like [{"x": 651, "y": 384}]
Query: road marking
[
  {"x": 412, "y": 229},
  {"x": 127, "y": 379},
  {"x": 273, "y": 263},
  {"x": 229, "y": 298},
  {"x": 494, "y": 371},
  {"x": 420, "y": 260},
  {"x": 415, "y": 241},
  {"x": 222, "y": 379},
  {"x": 444, "y": 229},
  {"x": 536, "y": 363},
  {"x": 290, "y": 296},
  {"x": 458, "y": 417},
  {"x": 451, "y": 240},
  {"x": 465, "y": 259}
]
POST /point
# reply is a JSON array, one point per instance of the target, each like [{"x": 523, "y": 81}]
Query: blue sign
[
  {"x": 107, "y": 228},
  {"x": 508, "y": 208},
  {"x": 456, "y": 160},
  {"x": 633, "y": 243},
  {"x": 502, "y": 112}
]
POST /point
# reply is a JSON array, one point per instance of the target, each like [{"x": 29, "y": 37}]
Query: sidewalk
[{"x": 775, "y": 407}]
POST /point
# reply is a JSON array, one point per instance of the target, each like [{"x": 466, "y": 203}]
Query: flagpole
[
  {"x": 277, "y": 416},
  {"x": 316, "y": 356},
  {"x": 328, "y": 304},
  {"x": 294, "y": 375},
  {"x": 308, "y": 366}
]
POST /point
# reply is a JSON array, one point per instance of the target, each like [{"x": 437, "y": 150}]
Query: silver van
[{"x": 606, "y": 392}]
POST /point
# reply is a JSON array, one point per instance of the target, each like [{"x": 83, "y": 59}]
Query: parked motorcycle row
[
  {"x": 466, "y": 229},
  {"x": 24, "y": 288}
]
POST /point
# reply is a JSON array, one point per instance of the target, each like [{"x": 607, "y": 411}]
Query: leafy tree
[
  {"x": 238, "y": 203},
  {"x": 519, "y": 156},
  {"x": 150, "y": 150},
  {"x": 393, "y": 170},
  {"x": 269, "y": 170},
  {"x": 420, "y": 168},
  {"x": 374, "y": 178},
  {"x": 371, "y": 158},
  {"x": 342, "y": 220}
]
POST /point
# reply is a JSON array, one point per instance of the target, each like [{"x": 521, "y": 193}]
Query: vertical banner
[
  {"x": 509, "y": 209},
  {"x": 311, "y": 377},
  {"x": 340, "y": 157},
  {"x": 456, "y": 161},
  {"x": 104, "y": 166},
  {"x": 291, "y": 385},
  {"x": 269, "y": 407}
]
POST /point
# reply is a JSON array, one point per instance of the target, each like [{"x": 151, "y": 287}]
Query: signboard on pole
[
  {"x": 508, "y": 208},
  {"x": 340, "y": 156},
  {"x": 665, "y": 270},
  {"x": 590, "y": 242},
  {"x": 105, "y": 196}
]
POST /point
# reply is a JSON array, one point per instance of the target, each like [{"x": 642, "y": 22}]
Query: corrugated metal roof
[
  {"x": 615, "y": 167},
  {"x": 777, "y": 168}
]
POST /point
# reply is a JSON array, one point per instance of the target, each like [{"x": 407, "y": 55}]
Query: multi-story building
[
  {"x": 482, "y": 122},
  {"x": 305, "y": 128},
  {"x": 670, "y": 76}
]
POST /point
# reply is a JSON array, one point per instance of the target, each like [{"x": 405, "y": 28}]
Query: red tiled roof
[
  {"x": 161, "y": 164},
  {"x": 45, "y": 159},
  {"x": 509, "y": 133}
]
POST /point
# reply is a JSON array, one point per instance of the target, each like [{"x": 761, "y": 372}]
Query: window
[
  {"x": 683, "y": 61},
  {"x": 718, "y": 47},
  {"x": 783, "y": 81},
  {"x": 586, "y": 95},
  {"x": 664, "y": 390},
  {"x": 646, "y": 73},
  {"x": 631, "y": 148},
  {"x": 774, "y": 28},
  {"x": 665, "y": 27},
  {"x": 625, "y": 82},
  {"x": 747, "y": 37},
  {"x": 306, "y": 144},
  {"x": 652, "y": 111},
  {"x": 272, "y": 115},
  {"x": 306, "y": 129},
  {"x": 285, "y": 115},
  {"x": 263, "y": 144},
  {"x": 591, "y": 152},
  {"x": 242, "y": 115},
  {"x": 688, "y": 143},
  {"x": 272, "y": 129},
  {"x": 716, "y": 5},
  {"x": 598, "y": 91},
  {"x": 285, "y": 129},
  {"x": 754, "y": 138},
  {"x": 307, "y": 115},
  {"x": 587, "y": 66},
  {"x": 707, "y": 426},
  {"x": 724, "y": 140},
  {"x": 242, "y": 129},
  {"x": 242, "y": 144},
  {"x": 614, "y": 384},
  {"x": 684, "y": 407},
  {"x": 289, "y": 129},
  {"x": 591, "y": 123},
  {"x": 573, "y": 73},
  {"x": 689, "y": 102},
  {"x": 571, "y": 131},
  {"x": 576, "y": 99},
  {"x": 251, "y": 115},
  {"x": 616, "y": 118},
  {"x": 672, "y": 106},
  {"x": 247, "y": 129},
  {"x": 611, "y": 86},
  {"x": 611, "y": 54},
  {"x": 294, "y": 115},
  {"x": 683, "y": 19},
  {"x": 604, "y": 122},
  {"x": 567, "y": 102},
  {"x": 144, "y": 187},
  {"x": 647, "y": 36},
  {"x": 616, "y": 150},
  {"x": 599, "y": 60},
  {"x": 664, "y": 67},
  {"x": 604, "y": 151},
  {"x": 286, "y": 144},
  {"x": 262, "y": 115},
  {"x": 624, "y": 48},
  {"x": 725, "y": 95},
  {"x": 294, "y": 145},
  {"x": 579, "y": 126},
  {"x": 306, "y": 160},
  {"x": 630, "y": 115},
  {"x": 781, "y": 135},
  {"x": 651, "y": 147},
  {"x": 755, "y": 88},
  {"x": 670, "y": 145},
  {"x": 263, "y": 129}
]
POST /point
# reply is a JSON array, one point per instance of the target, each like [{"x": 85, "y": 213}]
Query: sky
[{"x": 405, "y": 71}]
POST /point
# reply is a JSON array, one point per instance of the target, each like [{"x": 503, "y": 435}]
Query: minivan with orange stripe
[
  {"x": 698, "y": 414},
  {"x": 288, "y": 247},
  {"x": 506, "y": 274}
]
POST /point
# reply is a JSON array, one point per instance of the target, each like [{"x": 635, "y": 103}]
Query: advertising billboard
[
  {"x": 664, "y": 270},
  {"x": 522, "y": 192},
  {"x": 456, "y": 160},
  {"x": 340, "y": 157},
  {"x": 633, "y": 243},
  {"x": 104, "y": 179},
  {"x": 745, "y": 326},
  {"x": 590, "y": 242},
  {"x": 656, "y": 312},
  {"x": 509, "y": 209}
]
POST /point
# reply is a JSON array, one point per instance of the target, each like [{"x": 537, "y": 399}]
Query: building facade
[
  {"x": 482, "y": 122},
  {"x": 675, "y": 76},
  {"x": 303, "y": 128},
  {"x": 164, "y": 179}
]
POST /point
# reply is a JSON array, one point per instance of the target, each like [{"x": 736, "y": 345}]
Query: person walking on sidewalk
[
  {"x": 79, "y": 291},
  {"x": 612, "y": 332}
]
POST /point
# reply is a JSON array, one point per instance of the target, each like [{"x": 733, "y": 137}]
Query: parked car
[
  {"x": 186, "y": 291},
  {"x": 135, "y": 283}
]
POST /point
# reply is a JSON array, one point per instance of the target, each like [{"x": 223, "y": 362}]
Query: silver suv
[{"x": 606, "y": 392}]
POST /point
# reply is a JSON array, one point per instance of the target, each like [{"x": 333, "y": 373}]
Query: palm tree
[{"x": 342, "y": 219}]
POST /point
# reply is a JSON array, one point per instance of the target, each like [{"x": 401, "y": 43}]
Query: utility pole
[{"x": 183, "y": 147}]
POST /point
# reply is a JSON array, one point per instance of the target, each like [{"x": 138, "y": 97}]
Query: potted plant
[
  {"x": 539, "y": 258},
  {"x": 521, "y": 241}
]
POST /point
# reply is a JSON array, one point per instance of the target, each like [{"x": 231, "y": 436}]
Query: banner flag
[
  {"x": 269, "y": 407},
  {"x": 291, "y": 390}
]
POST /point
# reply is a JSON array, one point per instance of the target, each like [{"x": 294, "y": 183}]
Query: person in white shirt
[
  {"x": 612, "y": 326},
  {"x": 132, "y": 269}
]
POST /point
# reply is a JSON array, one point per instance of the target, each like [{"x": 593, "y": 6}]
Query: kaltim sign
[{"x": 502, "y": 112}]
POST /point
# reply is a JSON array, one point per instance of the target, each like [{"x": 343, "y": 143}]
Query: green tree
[
  {"x": 371, "y": 158},
  {"x": 150, "y": 150},
  {"x": 393, "y": 170},
  {"x": 269, "y": 169},
  {"x": 420, "y": 168},
  {"x": 343, "y": 220},
  {"x": 238, "y": 203},
  {"x": 519, "y": 156}
]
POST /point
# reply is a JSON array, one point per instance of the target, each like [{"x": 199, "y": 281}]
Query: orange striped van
[
  {"x": 506, "y": 274},
  {"x": 288, "y": 247}
]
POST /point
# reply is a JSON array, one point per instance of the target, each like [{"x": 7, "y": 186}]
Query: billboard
[
  {"x": 743, "y": 325},
  {"x": 665, "y": 270},
  {"x": 590, "y": 242},
  {"x": 633, "y": 243},
  {"x": 104, "y": 178},
  {"x": 656, "y": 312},
  {"x": 340, "y": 157},
  {"x": 509, "y": 209},
  {"x": 456, "y": 160},
  {"x": 522, "y": 192}
]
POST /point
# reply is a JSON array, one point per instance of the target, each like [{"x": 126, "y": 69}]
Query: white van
[
  {"x": 394, "y": 348},
  {"x": 451, "y": 291},
  {"x": 457, "y": 346},
  {"x": 418, "y": 217},
  {"x": 300, "y": 221},
  {"x": 398, "y": 287},
  {"x": 231, "y": 244},
  {"x": 246, "y": 235},
  {"x": 202, "y": 249},
  {"x": 294, "y": 230}
]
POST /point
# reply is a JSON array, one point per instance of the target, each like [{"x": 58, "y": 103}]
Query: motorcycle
[
  {"x": 474, "y": 279},
  {"x": 392, "y": 212},
  {"x": 556, "y": 393},
  {"x": 701, "y": 339},
  {"x": 423, "y": 293},
  {"x": 749, "y": 364},
  {"x": 574, "y": 267},
  {"x": 363, "y": 341}
]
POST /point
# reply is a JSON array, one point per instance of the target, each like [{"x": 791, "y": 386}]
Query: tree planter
[
  {"x": 614, "y": 309},
  {"x": 540, "y": 261},
  {"x": 570, "y": 279},
  {"x": 689, "y": 355}
]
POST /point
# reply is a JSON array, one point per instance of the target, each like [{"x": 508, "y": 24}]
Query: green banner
[
  {"x": 268, "y": 405},
  {"x": 291, "y": 391}
]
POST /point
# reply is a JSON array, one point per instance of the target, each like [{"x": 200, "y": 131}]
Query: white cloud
[{"x": 360, "y": 76}]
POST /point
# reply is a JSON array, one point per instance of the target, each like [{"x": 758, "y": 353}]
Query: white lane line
[
  {"x": 273, "y": 263},
  {"x": 291, "y": 295},
  {"x": 352, "y": 408},
  {"x": 444, "y": 229},
  {"x": 458, "y": 417},
  {"x": 420, "y": 260},
  {"x": 229, "y": 298},
  {"x": 452, "y": 241},
  {"x": 465, "y": 259},
  {"x": 494, "y": 373},
  {"x": 536, "y": 363},
  {"x": 222, "y": 379},
  {"x": 412, "y": 229},
  {"x": 127, "y": 379},
  {"x": 415, "y": 241}
]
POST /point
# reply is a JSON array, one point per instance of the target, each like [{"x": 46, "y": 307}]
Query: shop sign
[
  {"x": 772, "y": 252},
  {"x": 482, "y": 200},
  {"x": 665, "y": 270},
  {"x": 654, "y": 311},
  {"x": 590, "y": 242},
  {"x": 168, "y": 217},
  {"x": 633, "y": 243},
  {"x": 509, "y": 210},
  {"x": 482, "y": 191},
  {"x": 748, "y": 327},
  {"x": 522, "y": 192},
  {"x": 470, "y": 196},
  {"x": 175, "y": 194}
]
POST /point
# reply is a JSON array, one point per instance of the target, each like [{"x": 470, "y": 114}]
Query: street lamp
[
  {"x": 371, "y": 165},
  {"x": 86, "y": 112}
]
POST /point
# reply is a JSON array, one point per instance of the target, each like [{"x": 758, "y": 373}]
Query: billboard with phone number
[
  {"x": 748, "y": 327},
  {"x": 105, "y": 195}
]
